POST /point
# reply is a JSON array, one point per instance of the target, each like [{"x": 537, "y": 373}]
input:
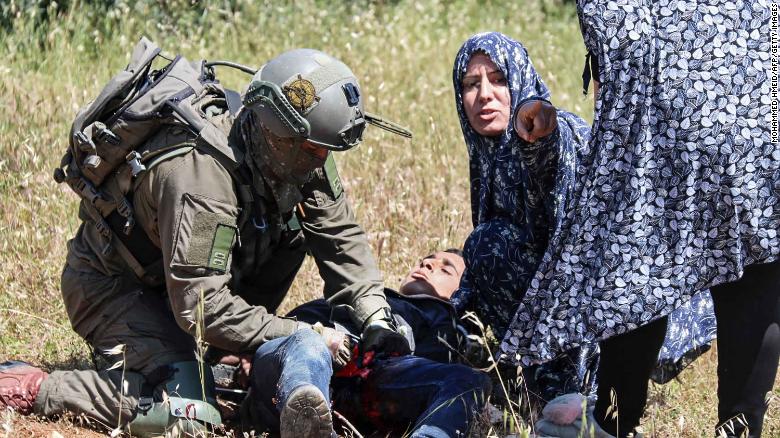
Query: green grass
[{"x": 410, "y": 196}]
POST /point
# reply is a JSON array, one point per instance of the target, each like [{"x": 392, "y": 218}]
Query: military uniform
[{"x": 230, "y": 250}]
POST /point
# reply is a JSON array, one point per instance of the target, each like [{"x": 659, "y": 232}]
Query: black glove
[
  {"x": 381, "y": 335},
  {"x": 472, "y": 348}
]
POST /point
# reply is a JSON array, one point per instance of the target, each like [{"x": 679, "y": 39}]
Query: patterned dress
[
  {"x": 518, "y": 194},
  {"x": 678, "y": 189},
  {"x": 516, "y": 189}
]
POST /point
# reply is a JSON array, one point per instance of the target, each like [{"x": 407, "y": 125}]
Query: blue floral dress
[
  {"x": 519, "y": 192},
  {"x": 678, "y": 190}
]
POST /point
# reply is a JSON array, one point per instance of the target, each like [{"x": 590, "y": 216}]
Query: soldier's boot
[
  {"x": 306, "y": 414},
  {"x": 19, "y": 385}
]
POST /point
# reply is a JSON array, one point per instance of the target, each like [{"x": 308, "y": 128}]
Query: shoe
[
  {"x": 565, "y": 409},
  {"x": 591, "y": 429},
  {"x": 306, "y": 414},
  {"x": 562, "y": 418},
  {"x": 19, "y": 385}
]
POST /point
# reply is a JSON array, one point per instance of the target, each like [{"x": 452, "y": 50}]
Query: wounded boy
[{"x": 427, "y": 394}]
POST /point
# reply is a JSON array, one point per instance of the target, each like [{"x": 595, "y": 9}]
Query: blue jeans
[
  {"x": 409, "y": 393},
  {"x": 438, "y": 399},
  {"x": 282, "y": 365}
]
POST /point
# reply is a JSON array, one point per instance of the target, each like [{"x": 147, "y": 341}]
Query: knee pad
[{"x": 183, "y": 405}]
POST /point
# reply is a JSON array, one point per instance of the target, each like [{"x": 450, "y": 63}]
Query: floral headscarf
[{"x": 485, "y": 153}]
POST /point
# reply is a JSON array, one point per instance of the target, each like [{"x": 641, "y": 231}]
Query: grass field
[{"x": 410, "y": 196}]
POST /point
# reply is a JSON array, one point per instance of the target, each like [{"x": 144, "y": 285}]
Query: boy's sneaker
[
  {"x": 306, "y": 414},
  {"x": 563, "y": 418}
]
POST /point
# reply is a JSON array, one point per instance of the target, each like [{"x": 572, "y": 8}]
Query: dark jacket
[{"x": 426, "y": 319}]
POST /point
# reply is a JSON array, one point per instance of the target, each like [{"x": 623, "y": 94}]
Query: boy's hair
[{"x": 455, "y": 251}]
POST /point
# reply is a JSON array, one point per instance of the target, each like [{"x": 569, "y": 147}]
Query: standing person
[
  {"x": 679, "y": 193},
  {"x": 230, "y": 223}
]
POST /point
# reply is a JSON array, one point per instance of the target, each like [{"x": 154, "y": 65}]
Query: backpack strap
[
  {"x": 138, "y": 251},
  {"x": 154, "y": 159},
  {"x": 214, "y": 140},
  {"x": 112, "y": 215},
  {"x": 135, "y": 248},
  {"x": 233, "y": 99}
]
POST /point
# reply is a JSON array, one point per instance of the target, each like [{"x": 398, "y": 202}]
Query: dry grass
[{"x": 411, "y": 196}]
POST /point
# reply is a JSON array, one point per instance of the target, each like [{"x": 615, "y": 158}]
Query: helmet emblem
[{"x": 301, "y": 94}]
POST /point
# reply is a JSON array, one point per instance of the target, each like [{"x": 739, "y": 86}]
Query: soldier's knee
[{"x": 182, "y": 405}]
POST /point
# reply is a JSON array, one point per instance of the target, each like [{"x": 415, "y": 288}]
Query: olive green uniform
[{"x": 231, "y": 247}]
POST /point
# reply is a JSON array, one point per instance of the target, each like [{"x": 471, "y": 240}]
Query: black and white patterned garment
[
  {"x": 517, "y": 191},
  {"x": 678, "y": 191}
]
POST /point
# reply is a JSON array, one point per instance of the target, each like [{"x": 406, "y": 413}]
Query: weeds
[
  {"x": 200, "y": 343},
  {"x": 410, "y": 197},
  {"x": 119, "y": 350}
]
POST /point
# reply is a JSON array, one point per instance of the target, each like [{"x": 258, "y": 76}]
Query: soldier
[{"x": 231, "y": 236}]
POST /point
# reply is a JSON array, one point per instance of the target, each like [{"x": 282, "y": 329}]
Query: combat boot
[
  {"x": 19, "y": 385},
  {"x": 306, "y": 414}
]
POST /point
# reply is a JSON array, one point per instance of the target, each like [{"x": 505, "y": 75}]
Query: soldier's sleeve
[
  {"x": 196, "y": 211},
  {"x": 340, "y": 247}
]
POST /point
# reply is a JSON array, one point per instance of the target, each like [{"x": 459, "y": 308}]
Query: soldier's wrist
[
  {"x": 279, "y": 328},
  {"x": 366, "y": 306},
  {"x": 381, "y": 317},
  {"x": 304, "y": 325}
]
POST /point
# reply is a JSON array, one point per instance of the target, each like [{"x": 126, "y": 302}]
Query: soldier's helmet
[{"x": 309, "y": 95}]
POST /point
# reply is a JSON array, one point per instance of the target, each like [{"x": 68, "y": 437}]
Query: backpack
[{"x": 107, "y": 147}]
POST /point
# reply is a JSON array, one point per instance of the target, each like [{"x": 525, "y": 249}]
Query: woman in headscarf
[
  {"x": 515, "y": 191},
  {"x": 677, "y": 192},
  {"x": 523, "y": 171}
]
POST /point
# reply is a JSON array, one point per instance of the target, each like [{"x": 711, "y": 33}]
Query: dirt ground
[{"x": 13, "y": 426}]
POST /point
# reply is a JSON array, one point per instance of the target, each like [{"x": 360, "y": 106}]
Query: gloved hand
[
  {"x": 472, "y": 347},
  {"x": 381, "y": 336},
  {"x": 338, "y": 343}
]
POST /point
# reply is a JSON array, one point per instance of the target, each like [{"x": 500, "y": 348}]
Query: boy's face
[{"x": 437, "y": 275}]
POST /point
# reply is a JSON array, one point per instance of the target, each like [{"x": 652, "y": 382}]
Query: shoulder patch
[
  {"x": 332, "y": 174},
  {"x": 213, "y": 237},
  {"x": 224, "y": 237}
]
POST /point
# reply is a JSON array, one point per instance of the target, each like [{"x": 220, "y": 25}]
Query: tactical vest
[{"x": 108, "y": 145}]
